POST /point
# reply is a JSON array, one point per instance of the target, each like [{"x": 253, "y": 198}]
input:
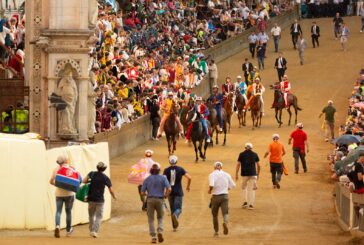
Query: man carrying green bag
[
  {"x": 95, "y": 196},
  {"x": 82, "y": 193}
]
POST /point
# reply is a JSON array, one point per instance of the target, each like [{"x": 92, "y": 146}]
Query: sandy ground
[{"x": 301, "y": 212}]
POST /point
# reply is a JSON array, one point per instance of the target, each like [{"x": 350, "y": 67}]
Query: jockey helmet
[
  {"x": 215, "y": 86},
  {"x": 238, "y": 77},
  {"x": 170, "y": 93},
  {"x": 216, "y": 164},
  {"x": 148, "y": 153},
  {"x": 199, "y": 99}
]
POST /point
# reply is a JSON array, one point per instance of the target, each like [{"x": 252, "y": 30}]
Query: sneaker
[
  {"x": 186, "y": 141},
  {"x": 174, "y": 221},
  {"x": 69, "y": 233},
  {"x": 245, "y": 205},
  {"x": 56, "y": 232},
  {"x": 154, "y": 240},
  {"x": 361, "y": 31},
  {"x": 226, "y": 229},
  {"x": 278, "y": 186},
  {"x": 208, "y": 140},
  {"x": 251, "y": 207},
  {"x": 94, "y": 234},
  {"x": 220, "y": 129},
  {"x": 216, "y": 234},
  {"x": 160, "y": 238},
  {"x": 326, "y": 140}
]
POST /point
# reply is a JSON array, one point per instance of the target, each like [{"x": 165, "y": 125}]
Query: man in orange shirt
[{"x": 276, "y": 152}]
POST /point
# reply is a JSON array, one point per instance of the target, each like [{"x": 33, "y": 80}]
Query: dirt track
[{"x": 301, "y": 212}]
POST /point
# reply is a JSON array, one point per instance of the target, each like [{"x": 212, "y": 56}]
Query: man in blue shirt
[
  {"x": 174, "y": 175},
  {"x": 157, "y": 188}
]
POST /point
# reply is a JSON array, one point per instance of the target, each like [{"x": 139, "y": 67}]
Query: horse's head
[{"x": 190, "y": 116}]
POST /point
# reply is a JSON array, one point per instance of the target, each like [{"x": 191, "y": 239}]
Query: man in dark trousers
[
  {"x": 315, "y": 34},
  {"x": 295, "y": 32},
  {"x": 337, "y": 21},
  {"x": 174, "y": 175},
  {"x": 247, "y": 68},
  {"x": 300, "y": 147},
  {"x": 281, "y": 66}
]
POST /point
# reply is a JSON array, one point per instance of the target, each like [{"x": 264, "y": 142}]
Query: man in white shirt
[
  {"x": 276, "y": 34},
  {"x": 219, "y": 184},
  {"x": 263, "y": 39},
  {"x": 252, "y": 38}
]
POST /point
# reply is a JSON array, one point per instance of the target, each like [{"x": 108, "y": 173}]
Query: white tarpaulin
[{"x": 27, "y": 198}]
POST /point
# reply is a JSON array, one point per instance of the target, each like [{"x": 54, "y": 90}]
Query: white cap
[
  {"x": 249, "y": 146},
  {"x": 238, "y": 76},
  {"x": 218, "y": 164},
  {"x": 170, "y": 93},
  {"x": 299, "y": 125},
  {"x": 198, "y": 98},
  {"x": 173, "y": 159},
  {"x": 215, "y": 86},
  {"x": 62, "y": 159},
  {"x": 275, "y": 136},
  {"x": 330, "y": 102},
  {"x": 257, "y": 79},
  {"x": 148, "y": 152}
]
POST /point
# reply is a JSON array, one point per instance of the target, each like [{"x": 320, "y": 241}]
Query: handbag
[{"x": 82, "y": 193}]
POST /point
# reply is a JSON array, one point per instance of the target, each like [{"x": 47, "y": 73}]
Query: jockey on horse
[
  {"x": 217, "y": 100},
  {"x": 243, "y": 89},
  {"x": 201, "y": 114},
  {"x": 286, "y": 89},
  {"x": 257, "y": 89},
  {"x": 168, "y": 106},
  {"x": 227, "y": 87}
]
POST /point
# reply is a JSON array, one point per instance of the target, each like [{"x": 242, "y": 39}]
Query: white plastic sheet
[{"x": 27, "y": 198}]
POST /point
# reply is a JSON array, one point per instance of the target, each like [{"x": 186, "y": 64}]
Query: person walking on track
[
  {"x": 248, "y": 164},
  {"x": 329, "y": 112},
  {"x": 295, "y": 32},
  {"x": 98, "y": 181},
  {"x": 300, "y": 147},
  {"x": 157, "y": 188},
  {"x": 281, "y": 66},
  {"x": 276, "y": 34},
  {"x": 219, "y": 184},
  {"x": 253, "y": 39},
  {"x": 301, "y": 46},
  {"x": 276, "y": 152},
  {"x": 315, "y": 34},
  {"x": 174, "y": 175}
]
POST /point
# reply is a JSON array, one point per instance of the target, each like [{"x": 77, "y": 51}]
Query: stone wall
[{"x": 139, "y": 132}]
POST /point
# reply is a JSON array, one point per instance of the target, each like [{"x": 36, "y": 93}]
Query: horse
[
  {"x": 240, "y": 104},
  {"x": 279, "y": 104},
  {"x": 229, "y": 107},
  {"x": 215, "y": 123},
  {"x": 198, "y": 135},
  {"x": 256, "y": 113},
  {"x": 171, "y": 130}
]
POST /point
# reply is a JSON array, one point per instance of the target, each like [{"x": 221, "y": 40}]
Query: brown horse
[
  {"x": 279, "y": 104},
  {"x": 171, "y": 130},
  {"x": 256, "y": 111},
  {"x": 240, "y": 104},
  {"x": 214, "y": 122},
  {"x": 229, "y": 108}
]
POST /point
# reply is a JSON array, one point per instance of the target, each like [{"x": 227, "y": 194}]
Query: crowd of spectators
[
  {"x": 347, "y": 159},
  {"x": 147, "y": 49},
  {"x": 324, "y": 8}
]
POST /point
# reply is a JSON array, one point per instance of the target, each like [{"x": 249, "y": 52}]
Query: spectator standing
[
  {"x": 247, "y": 68},
  {"x": 248, "y": 164},
  {"x": 98, "y": 181},
  {"x": 276, "y": 35},
  {"x": 301, "y": 46},
  {"x": 219, "y": 184},
  {"x": 295, "y": 32},
  {"x": 300, "y": 147},
  {"x": 174, "y": 175},
  {"x": 276, "y": 152},
  {"x": 281, "y": 66},
  {"x": 329, "y": 112},
  {"x": 263, "y": 39},
  {"x": 157, "y": 188},
  {"x": 337, "y": 21},
  {"x": 253, "y": 39},
  {"x": 213, "y": 73},
  {"x": 63, "y": 197},
  {"x": 315, "y": 34},
  {"x": 260, "y": 56},
  {"x": 362, "y": 18},
  {"x": 155, "y": 118},
  {"x": 344, "y": 35}
]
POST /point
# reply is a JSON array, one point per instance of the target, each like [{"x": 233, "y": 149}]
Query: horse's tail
[{"x": 296, "y": 104}]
